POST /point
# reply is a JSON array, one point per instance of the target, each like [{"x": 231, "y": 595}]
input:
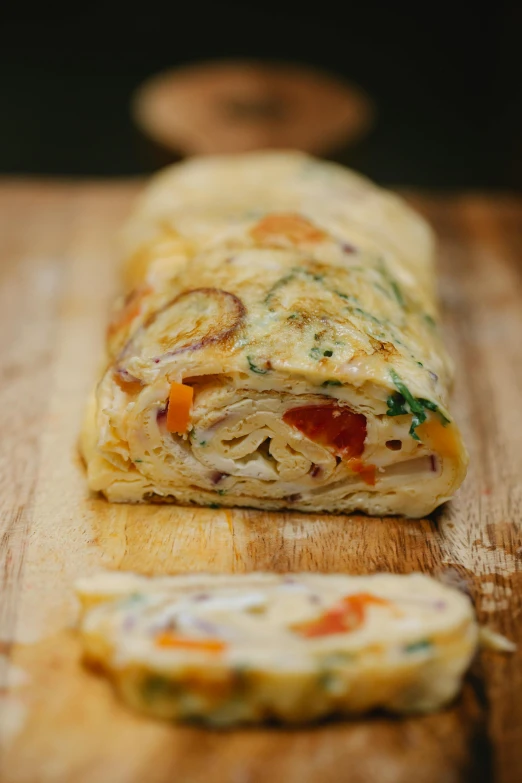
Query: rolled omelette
[
  {"x": 244, "y": 648},
  {"x": 278, "y": 347}
]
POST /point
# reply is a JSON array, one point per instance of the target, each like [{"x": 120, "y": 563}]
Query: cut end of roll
[{"x": 281, "y": 337}]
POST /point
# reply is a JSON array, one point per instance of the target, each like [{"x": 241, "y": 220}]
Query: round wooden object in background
[{"x": 236, "y": 106}]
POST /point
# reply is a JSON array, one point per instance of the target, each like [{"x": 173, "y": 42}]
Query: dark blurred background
[{"x": 445, "y": 78}]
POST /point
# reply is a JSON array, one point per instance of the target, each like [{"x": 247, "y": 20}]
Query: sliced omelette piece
[
  {"x": 278, "y": 348},
  {"x": 246, "y": 648}
]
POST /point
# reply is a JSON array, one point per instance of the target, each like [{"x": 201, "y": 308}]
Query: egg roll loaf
[
  {"x": 278, "y": 347},
  {"x": 244, "y": 648}
]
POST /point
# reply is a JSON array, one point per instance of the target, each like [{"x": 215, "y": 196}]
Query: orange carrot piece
[
  {"x": 295, "y": 228},
  {"x": 169, "y": 640},
  {"x": 366, "y": 472},
  {"x": 333, "y": 621},
  {"x": 180, "y": 403}
]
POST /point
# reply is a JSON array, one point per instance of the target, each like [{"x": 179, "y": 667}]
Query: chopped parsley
[
  {"x": 382, "y": 289},
  {"x": 431, "y": 406},
  {"x": 255, "y": 368},
  {"x": 156, "y": 687},
  {"x": 397, "y": 292},
  {"x": 330, "y": 682},
  {"x": 421, "y": 646},
  {"x": 404, "y": 402},
  {"x": 221, "y": 491},
  {"x": 395, "y": 403},
  {"x": 346, "y": 297},
  {"x": 365, "y": 314},
  {"x": 315, "y": 352},
  {"x": 281, "y": 282},
  {"x": 328, "y": 353},
  {"x": 392, "y": 283},
  {"x": 137, "y": 460},
  {"x": 202, "y": 442},
  {"x": 214, "y": 505},
  {"x": 292, "y": 275},
  {"x": 331, "y": 383}
]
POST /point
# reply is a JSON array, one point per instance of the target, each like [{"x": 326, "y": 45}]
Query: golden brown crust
[{"x": 273, "y": 281}]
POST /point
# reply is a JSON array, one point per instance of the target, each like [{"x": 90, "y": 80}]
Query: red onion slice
[{"x": 190, "y": 321}]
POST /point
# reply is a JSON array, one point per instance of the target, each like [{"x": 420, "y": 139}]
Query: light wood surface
[{"x": 60, "y": 723}]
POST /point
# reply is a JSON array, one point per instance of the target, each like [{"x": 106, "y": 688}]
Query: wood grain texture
[{"x": 61, "y": 723}]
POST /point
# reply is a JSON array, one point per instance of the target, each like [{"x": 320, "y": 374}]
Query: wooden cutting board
[{"x": 61, "y": 723}]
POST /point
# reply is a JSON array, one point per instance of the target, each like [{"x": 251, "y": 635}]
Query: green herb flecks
[
  {"x": 254, "y": 367},
  {"x": 423, "y": 645},
  {"x": 382, "y": 289},
  {"x": 329, "y": 679},
  {"x": 155, "y": 687},
  {"x": 388, "y": 285},
  {"x": 214, "y": 505},
  {"x": 328, "y": 353},
  {"x": 365, "y": 314},
  {"x": 346, "y": 297},
  {"x": 397, "y": 292},
  {"x": 397, "y": 406},
  {"x": 202, "y": 442},
  {"x": 137, "y": 460},
  {"x": 392, "y": 283},
  {"x": 389, "y": 333},
  {"x": 404, "y": 402},
  {"x": 222, "y": 492},
  {"x": 331, "y": 383},
  {"x": 431, "y": 406},
  {"x": 277, "y": 285},
  {"x": 330, "y": 682},
  {"x": 292, "y": 275},
  {"x": 353, "y": 304},
  {"x": 315, "y": 352},
  {"x": 396, "y": 403},
  {"x": 430, "y": 321}
]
